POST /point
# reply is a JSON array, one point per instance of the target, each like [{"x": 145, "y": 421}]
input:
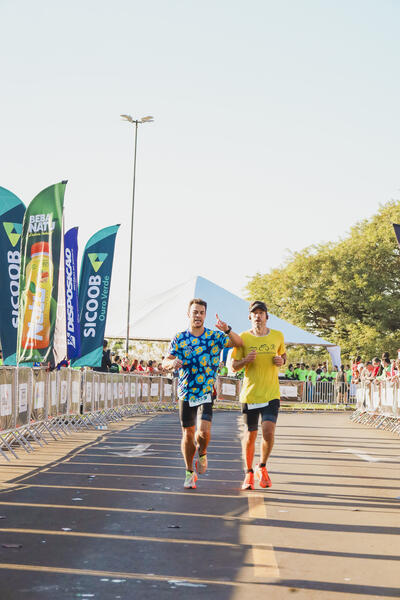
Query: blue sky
[{"x": 276, "y": 126}]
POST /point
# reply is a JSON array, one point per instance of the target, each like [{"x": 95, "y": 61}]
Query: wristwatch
[{"x": 227, "y": 332}]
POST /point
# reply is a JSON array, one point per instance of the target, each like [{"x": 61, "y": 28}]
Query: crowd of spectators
[
  {"x": 318, "y": 372},
  {"x": 356, "y": 372},
  {"x": 114, "y": 363},
  {"x": 377, "y": 369}
]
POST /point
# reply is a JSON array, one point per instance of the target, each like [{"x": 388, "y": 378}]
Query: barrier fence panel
[
  {"x": 75, "y": 391},
  {"x": 102, "y": 391},
  {"x": 167, "y": 394},
  {"x": 121, "y": 389},
  {"x": 228, "y": 389},
  {"x": 132, "y": 389},
  {"x": 7, "y": 398},
  {"x": 114, "y": 379},
  {"x": 88, "y": 392},
  {"x": 378, "y": 404},
  {"x": 127, "y": 392},
  {"x": 138, "y": 390},
  {"x": 53, "y": 393},
  {"x": 155, "y": 391},
  {"x": 23, "y": 393},
  {"x": 63, "y": 398},
  {"x": 39, "y": 410},
  {"x": 96, "y": 394},
  {"x": 291, "y": 390},
  {"x": 145, "y": 389}
]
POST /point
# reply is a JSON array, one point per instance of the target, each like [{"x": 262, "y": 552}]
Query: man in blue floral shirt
[{"x": 196, "y": 353}]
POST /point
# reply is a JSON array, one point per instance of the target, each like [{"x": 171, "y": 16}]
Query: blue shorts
[{"x": 268, "y": 413}]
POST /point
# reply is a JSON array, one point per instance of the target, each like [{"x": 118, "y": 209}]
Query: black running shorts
[
  {"x": 268, "y": 413},
  {"x": 188, "y": 414}
]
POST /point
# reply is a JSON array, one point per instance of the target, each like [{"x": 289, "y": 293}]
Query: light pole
[{"x": 136, "y": 123}]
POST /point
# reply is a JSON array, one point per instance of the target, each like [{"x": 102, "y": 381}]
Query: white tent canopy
[{"x": 162, "y": 316}]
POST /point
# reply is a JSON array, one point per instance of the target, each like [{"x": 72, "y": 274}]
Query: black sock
[
  {"x": 249, "y": 471},
  {"x": 262, "y": 464}
]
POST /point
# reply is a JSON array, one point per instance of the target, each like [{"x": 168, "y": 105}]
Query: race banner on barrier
[
  {"x": 11, "y": 216},
  {"x": 40, "y": 266},
  {"x": 71, "y": 293},
  {"x": 94, "y": 290}
]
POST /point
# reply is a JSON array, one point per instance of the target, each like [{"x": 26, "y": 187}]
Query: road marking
[
  {"x": 116, "y": 575},
  {"x": 366, "y": 457},
  {"x": 127, "y": 510},
  {"x": 265, "y": 564},
  {"x": 262, "y": 555},
  {"x": 177, "y": 457},
  {"x": 12, "y": 487},
  {"x": 113, "y": 536},
  {"x": 98, "y": 474},
  {"x": 129, "y": 465},
  {"x": 135, "y": 451},
  {"x": 257, "y": 508}
]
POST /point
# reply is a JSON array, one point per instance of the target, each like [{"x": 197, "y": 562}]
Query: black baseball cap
[{"x": 258, "y": 304}]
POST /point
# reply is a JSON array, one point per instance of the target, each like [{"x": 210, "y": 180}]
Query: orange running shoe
[
  {"x": 263, "y": 477},
  {"x": 248, "y": 483}
]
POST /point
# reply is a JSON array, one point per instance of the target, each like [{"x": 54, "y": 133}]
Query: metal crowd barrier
[
  {"x": 335, "y": 395},
  {"x": 36, "y": 404},
  {"x": 378, "y": 404}
]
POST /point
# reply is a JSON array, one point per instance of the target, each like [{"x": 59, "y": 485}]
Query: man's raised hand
[{"x": 221, "y": 325}]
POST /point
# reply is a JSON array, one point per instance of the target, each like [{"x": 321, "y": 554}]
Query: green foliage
[{"x": 346, "y": 292}]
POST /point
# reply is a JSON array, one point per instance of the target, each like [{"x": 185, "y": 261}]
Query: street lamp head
[
  {"x": 147, "y": 119},
  {"x": 127, "y": 118}
]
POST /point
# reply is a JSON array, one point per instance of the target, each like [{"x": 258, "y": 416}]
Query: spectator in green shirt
[
  {"x": 297, "y": 371},
  {"x": 324, "y": 376},
  {"x": 334, "y": 374},
  {"x": 116, "y": 365},
  {"x": 302, "y": 372},
  {"x": 312, "y": 375},
  {"x": 222, "y": 369},
  {"x": 289, "y": 373}
]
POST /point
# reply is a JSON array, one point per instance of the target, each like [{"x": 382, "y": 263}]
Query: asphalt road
[{"x": 112, "y": 520}]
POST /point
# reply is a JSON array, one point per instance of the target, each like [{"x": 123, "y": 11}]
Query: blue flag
[
  {"x": 11, "y": 216},
  {"x": 94, "y": 290},
  {"x": 71, "y": 293}
]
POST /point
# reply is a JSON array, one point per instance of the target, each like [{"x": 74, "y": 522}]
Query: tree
[{"x": 347, "y": 292}]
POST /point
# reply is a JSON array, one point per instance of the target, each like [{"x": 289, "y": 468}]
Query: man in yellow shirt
[{"x": 262, "y": 353}]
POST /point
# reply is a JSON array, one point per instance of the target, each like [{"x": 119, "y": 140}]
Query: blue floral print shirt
[{"x": 200, "y": 357}]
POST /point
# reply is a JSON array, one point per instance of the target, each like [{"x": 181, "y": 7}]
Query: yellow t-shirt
[{"x": 261, "y": 383}]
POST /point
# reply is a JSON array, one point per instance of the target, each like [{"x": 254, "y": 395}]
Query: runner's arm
[
  {"x": 171, "y": 363},
  {"x": 235, "y": 341},
  {"x": 237, "y": 365},
  {"x": 280, "y": 360}
]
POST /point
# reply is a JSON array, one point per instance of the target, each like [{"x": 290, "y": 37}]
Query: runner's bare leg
[
  {"x": 203, "y": 436},
  {"x": 249, "y": 448},
  {"x": 267, "y": 441},
  {"x": 188, "y": 446}
]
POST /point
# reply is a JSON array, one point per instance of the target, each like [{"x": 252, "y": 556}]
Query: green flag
[{"x": 42, "y": 232}]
